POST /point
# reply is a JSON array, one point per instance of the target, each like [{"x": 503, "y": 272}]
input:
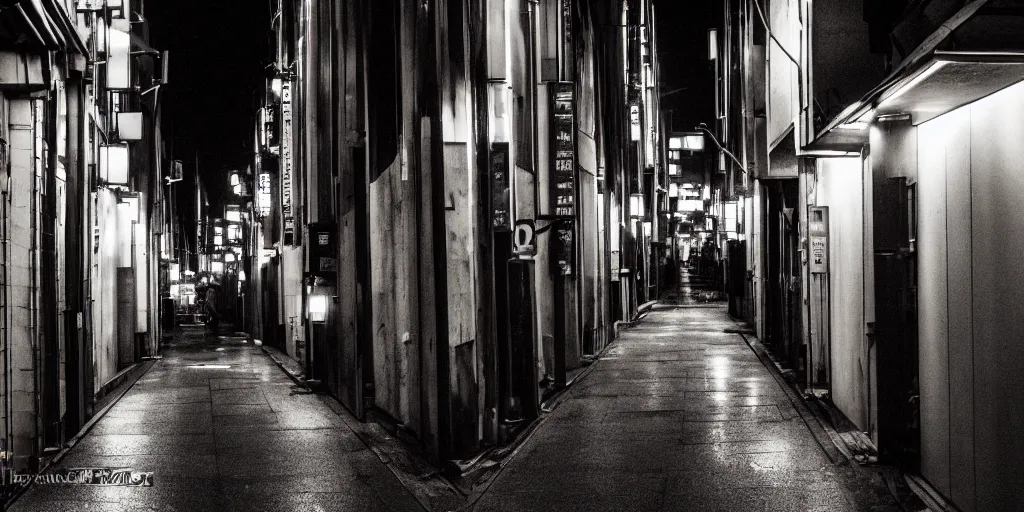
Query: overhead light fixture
[
  {"x": 888, "y": 118},
  {"x": 856, "y": 125},
  {"x": 931, "y": 70}
]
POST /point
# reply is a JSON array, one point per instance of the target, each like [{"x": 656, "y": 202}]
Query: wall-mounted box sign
[
  {"x": 263, "y": 194},
  {"x": 563, "y": 173},
  {"x": 129, "y": 125},
  {"x": 322, "y": 250},
  {"x": 118, "y": 63},
  {"x": 114, "y": 164},
  {"x": 500, "y": 187},
  {"x": 818, "y": 239},
  {"x": 287, "y": 216}
]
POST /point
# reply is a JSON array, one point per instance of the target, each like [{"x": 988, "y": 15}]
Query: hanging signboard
[
  {"x": 323, "y": 261},
  {"x": 563, "y": 174},
  {"x": 287, "y": 215},
  {"x": 118, "y": 65},
  {"x": 500, "y": 191},
  {"x": 263, "y": 195}
]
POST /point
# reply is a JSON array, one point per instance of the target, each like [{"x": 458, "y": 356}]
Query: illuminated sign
[
  {"x": 263, "y": 194},
  {"x": 287, "y": 215},
  {"x": 563, "y": 149},
  {"x": 118, "y": 59},
  {"x": 114, "y": 164}
]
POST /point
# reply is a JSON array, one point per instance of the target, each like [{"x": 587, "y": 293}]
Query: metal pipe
[{"x": 531, "y": 79}]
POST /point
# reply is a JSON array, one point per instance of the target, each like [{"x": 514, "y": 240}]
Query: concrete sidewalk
[
  {"x": 679, "y": 415},
  {"x": 236, "y": 438}
]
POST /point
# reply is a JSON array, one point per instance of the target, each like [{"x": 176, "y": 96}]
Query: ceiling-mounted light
[
  {"x": 856, "y": 125},
  {"x": 929, "y": 71},
  {"x": 888, "y": 118}
]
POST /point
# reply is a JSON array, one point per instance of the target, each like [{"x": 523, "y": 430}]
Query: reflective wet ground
[
  {"x": 676, "y": 415},
  {"x": 221, "y": 427},
  {"x": 679, "y": 415}
]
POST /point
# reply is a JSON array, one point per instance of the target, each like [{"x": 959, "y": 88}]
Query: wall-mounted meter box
[{"x": 817, "y": 228}]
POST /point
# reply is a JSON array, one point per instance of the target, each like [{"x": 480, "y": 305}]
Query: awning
[
  {"x": 945, "y": 82},
  {"x": 39, "y": 24},
  {"x": 931, "y": 81}
]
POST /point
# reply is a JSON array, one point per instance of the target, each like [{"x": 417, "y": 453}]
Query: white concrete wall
[
  {"x": 933, "y": 324},
  {"x": 22, "y": 272},
  {"x": 291, "y": 270},
  {"x": 105, "y": 261},
  {"x": 840, "y": 187},
  {"x": 782, "y": 75},
  {"x": 971, "y": 177}
]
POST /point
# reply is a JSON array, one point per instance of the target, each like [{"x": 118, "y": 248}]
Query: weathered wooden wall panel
[{"x": 462, "y": 274}]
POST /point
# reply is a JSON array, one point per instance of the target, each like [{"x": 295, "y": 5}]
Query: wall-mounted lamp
[
  {"x": 318, "y": 308},
  {"x": 114, "y": 164},
  {"x": 636, "y": 206}
]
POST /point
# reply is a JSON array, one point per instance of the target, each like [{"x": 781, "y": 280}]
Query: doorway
[
  {"x": 782, "y": 299},
  {"x": 899, "y": 436}
]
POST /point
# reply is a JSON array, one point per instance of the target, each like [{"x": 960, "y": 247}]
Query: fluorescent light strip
[{"x": 935, "y": 66}]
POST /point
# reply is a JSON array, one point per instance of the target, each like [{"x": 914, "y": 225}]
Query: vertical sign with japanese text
[
  {"x": 263, "y": 195},
  {"x": 500, "y": 190},
  {"x": 563, "y": 174},
  {"x": 287, "y": 215}
]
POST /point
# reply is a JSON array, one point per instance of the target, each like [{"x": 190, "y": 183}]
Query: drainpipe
[{"x": 531, "y": 83}]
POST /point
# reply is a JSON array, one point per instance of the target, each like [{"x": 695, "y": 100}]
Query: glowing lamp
[
  {"x": 636, "y": 206},
  {"x": 318, "y": 308}
]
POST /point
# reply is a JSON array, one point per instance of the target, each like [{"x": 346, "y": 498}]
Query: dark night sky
[
  {"x": 683, "y": 60},
  {"x": 218, "y": 50}
]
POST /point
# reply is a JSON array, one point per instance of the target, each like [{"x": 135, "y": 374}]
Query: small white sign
[
  {"x": 522, "y": 238},
  {"x": 819, "y": 255}
]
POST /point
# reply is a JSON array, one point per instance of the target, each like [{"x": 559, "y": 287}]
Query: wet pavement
[
  {"x": 676, "y": 415},
  {"x": 221, "y": 427},
  {"x": 679, "y": 415}
]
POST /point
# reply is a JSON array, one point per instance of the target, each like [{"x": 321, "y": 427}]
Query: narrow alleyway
[
  {"x": 221, "y": 427},
  {"x": 679, "y": 415}
]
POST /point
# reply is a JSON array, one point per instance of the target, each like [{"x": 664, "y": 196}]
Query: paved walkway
[
  {"x": 236, "y": 438},
  {"x": 679, "y": 415}
]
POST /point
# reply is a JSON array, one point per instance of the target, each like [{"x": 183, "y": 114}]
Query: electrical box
[{"x": 818, "y": 239}]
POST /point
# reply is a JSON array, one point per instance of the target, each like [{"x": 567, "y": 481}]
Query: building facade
[
  {"x": 456, "y": 202},
  {"x": 86, "y": 223},
  {"x": 878, "y": 152}
]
